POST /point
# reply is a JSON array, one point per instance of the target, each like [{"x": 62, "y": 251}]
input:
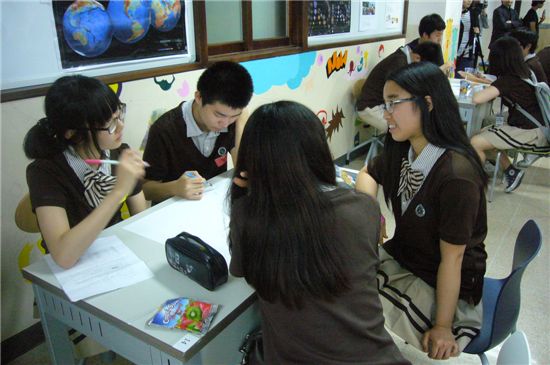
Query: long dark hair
[
  {"x": 506, "y": 58},
  {"x": 76, "y": 103},
  {"x": 441, "y": 126},
  {"x": 289, "y": 252}
]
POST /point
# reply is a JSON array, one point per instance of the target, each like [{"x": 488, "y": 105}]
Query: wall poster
[{"x": 95, "y": 33}]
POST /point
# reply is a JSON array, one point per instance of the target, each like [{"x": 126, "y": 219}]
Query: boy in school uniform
[
  {"x": 430, "y": 29},
  {"x": 190, "y": 143}
]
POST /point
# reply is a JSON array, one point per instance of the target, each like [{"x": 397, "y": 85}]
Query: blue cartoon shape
[{"x": 289, "y": 70}]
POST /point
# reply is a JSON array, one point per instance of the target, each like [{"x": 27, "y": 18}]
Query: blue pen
[{"x": 192, "y": 176}]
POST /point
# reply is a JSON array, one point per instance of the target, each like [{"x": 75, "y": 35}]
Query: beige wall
[{"x": 145, "y": 99}]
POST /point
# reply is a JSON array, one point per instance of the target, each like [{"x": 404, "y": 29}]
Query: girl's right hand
[{"x": 130, "y": 169}]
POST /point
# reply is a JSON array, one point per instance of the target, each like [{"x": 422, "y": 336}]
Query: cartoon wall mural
[
  {"x": 152, "y": 119},
  {"x": 357, "y": 68},
  {"x": 117, "y": 88},
  {"x": 448, "y": 40},
  {"x": 24, "y": 257},
  {"x": 183, "y": 91},
  {"x": 286, "y": 70},
  {"x": 164, "y": 84},
  {"x": 381, "y": 51},
  {"x": 336, "y": 62},
  {"x": 335, "y": 123}
]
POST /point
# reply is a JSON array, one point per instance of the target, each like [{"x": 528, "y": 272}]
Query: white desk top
[{"x": 130, "y": 308}]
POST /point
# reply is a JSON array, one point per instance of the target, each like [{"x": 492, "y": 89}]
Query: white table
[
  {"x": 470, "y": 113},
  {"x": 117, "y": 319}
]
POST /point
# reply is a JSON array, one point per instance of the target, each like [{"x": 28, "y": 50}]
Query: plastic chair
[
  {"x": 376, "y": 141},
  {"x": 515, "y": 350},
  {"x": 502, "y": 297},
  {"x": 25, "y": 219}
]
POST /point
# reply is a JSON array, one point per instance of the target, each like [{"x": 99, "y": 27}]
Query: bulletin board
[
  {"x": 333, "y": 21},
  {"x": 93, "y": 38}
]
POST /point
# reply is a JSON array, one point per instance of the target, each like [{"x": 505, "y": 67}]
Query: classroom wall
[{"x": 322, "y": 80}]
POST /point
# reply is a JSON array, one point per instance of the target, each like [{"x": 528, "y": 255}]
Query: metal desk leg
[{"x": 56, "y": 333}]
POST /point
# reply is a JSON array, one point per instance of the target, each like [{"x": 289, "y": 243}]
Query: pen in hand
[
  {"x": 108, "y": 162},
  {"x": 191, "y": 175}
]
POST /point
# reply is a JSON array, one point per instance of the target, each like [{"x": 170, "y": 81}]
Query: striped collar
[
  {"x": 423, "y": 163},
  {"x": 80, "y": 167}
]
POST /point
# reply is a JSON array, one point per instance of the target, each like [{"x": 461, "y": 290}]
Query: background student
[
  {"x": 190, "y": 143},
  {"x": 75, "y": 201},
  {"x": 297, "y": 239},
  {"x": 505, "y": 19},
  {"x": 528, "y": 41},
  {"x": 431, "y": 272},
  {"x": 431, "y": 29},
  {"x": 469, "y": 27},
  {"x": 370, "y": 102},
  {"x": 531, "y": 18},
  {"x": 506, "y": 62}
]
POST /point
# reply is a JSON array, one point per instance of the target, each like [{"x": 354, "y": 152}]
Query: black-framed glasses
[
  {"x": 113, "y": 123},
  {"x": 389, "y": 105}
]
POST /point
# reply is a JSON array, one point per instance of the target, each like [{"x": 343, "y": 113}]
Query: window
[{"x": 254, "y": 25}]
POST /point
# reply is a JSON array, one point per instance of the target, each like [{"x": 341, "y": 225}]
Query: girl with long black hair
[
  {"x": 431, "y": 273},
  {"x": 307, "y": 247},
  {"x": 75, "y": 201}
]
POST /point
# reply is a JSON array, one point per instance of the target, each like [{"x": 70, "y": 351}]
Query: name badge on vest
[
  {"x": 420, "y": 211},
  {"x": 222, "y": 160}
]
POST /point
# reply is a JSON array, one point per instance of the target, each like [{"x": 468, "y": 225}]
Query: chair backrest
[
  {"x": 25, "y": 219},
  {"x": 515, "y": 350},
  {"x": 528, "y": 245}
]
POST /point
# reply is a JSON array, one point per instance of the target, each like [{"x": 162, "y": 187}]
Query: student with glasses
[
  {"x": 430, "y": 277},
  {"x": 73, "y": 200}
]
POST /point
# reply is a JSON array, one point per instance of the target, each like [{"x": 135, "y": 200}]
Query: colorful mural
[
  {"x": 286, "y": 70},
  {"x": 336, "y": 62},
  {"x": 164, "y": 84},
  {"x": 335, "y": 123}
]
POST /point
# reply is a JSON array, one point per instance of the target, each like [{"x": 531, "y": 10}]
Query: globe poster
[{"x": 93, "y": 33}]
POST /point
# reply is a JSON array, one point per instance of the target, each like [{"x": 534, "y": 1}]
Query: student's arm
[
  {"x": 439, "y": 341},
  {"x": 239, "y": 128},
  {"x": 533, "y": 26},
  {"x": 184, "y": 187},
  {"x": 485, "y": 95},
  {"x": 136, "y": 203},
  {"x": 67, "y": 244},
  {"x": 365, "y": 183}
]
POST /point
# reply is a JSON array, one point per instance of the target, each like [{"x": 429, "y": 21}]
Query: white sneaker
[{"x": 528, "y": 160}]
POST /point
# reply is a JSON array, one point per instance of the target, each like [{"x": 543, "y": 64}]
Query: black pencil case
[{"x": 196, "y": 259}]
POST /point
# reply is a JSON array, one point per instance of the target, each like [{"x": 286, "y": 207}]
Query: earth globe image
[
  {"x": 87, "y": 28},
  {"x": 130, "y": 18},
  {"x": 165, "y": 14}
]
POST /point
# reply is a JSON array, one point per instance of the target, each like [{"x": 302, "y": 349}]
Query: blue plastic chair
[{"x": 502, "y": 297}]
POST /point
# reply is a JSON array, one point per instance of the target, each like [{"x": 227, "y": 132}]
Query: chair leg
[
  {"x": 495, "y": 173},
  {"x": 483, "y": 358}
]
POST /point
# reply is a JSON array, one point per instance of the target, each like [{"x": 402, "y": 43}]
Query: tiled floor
[{"x": 506, "y": 214}]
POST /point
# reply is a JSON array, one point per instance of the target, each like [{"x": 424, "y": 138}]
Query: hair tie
[{"x": 46, "y": 125}]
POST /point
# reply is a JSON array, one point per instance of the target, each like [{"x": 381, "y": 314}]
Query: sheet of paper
[
  {"x": 107, "y": 265},
  {"x": 207, "y": 219}
]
